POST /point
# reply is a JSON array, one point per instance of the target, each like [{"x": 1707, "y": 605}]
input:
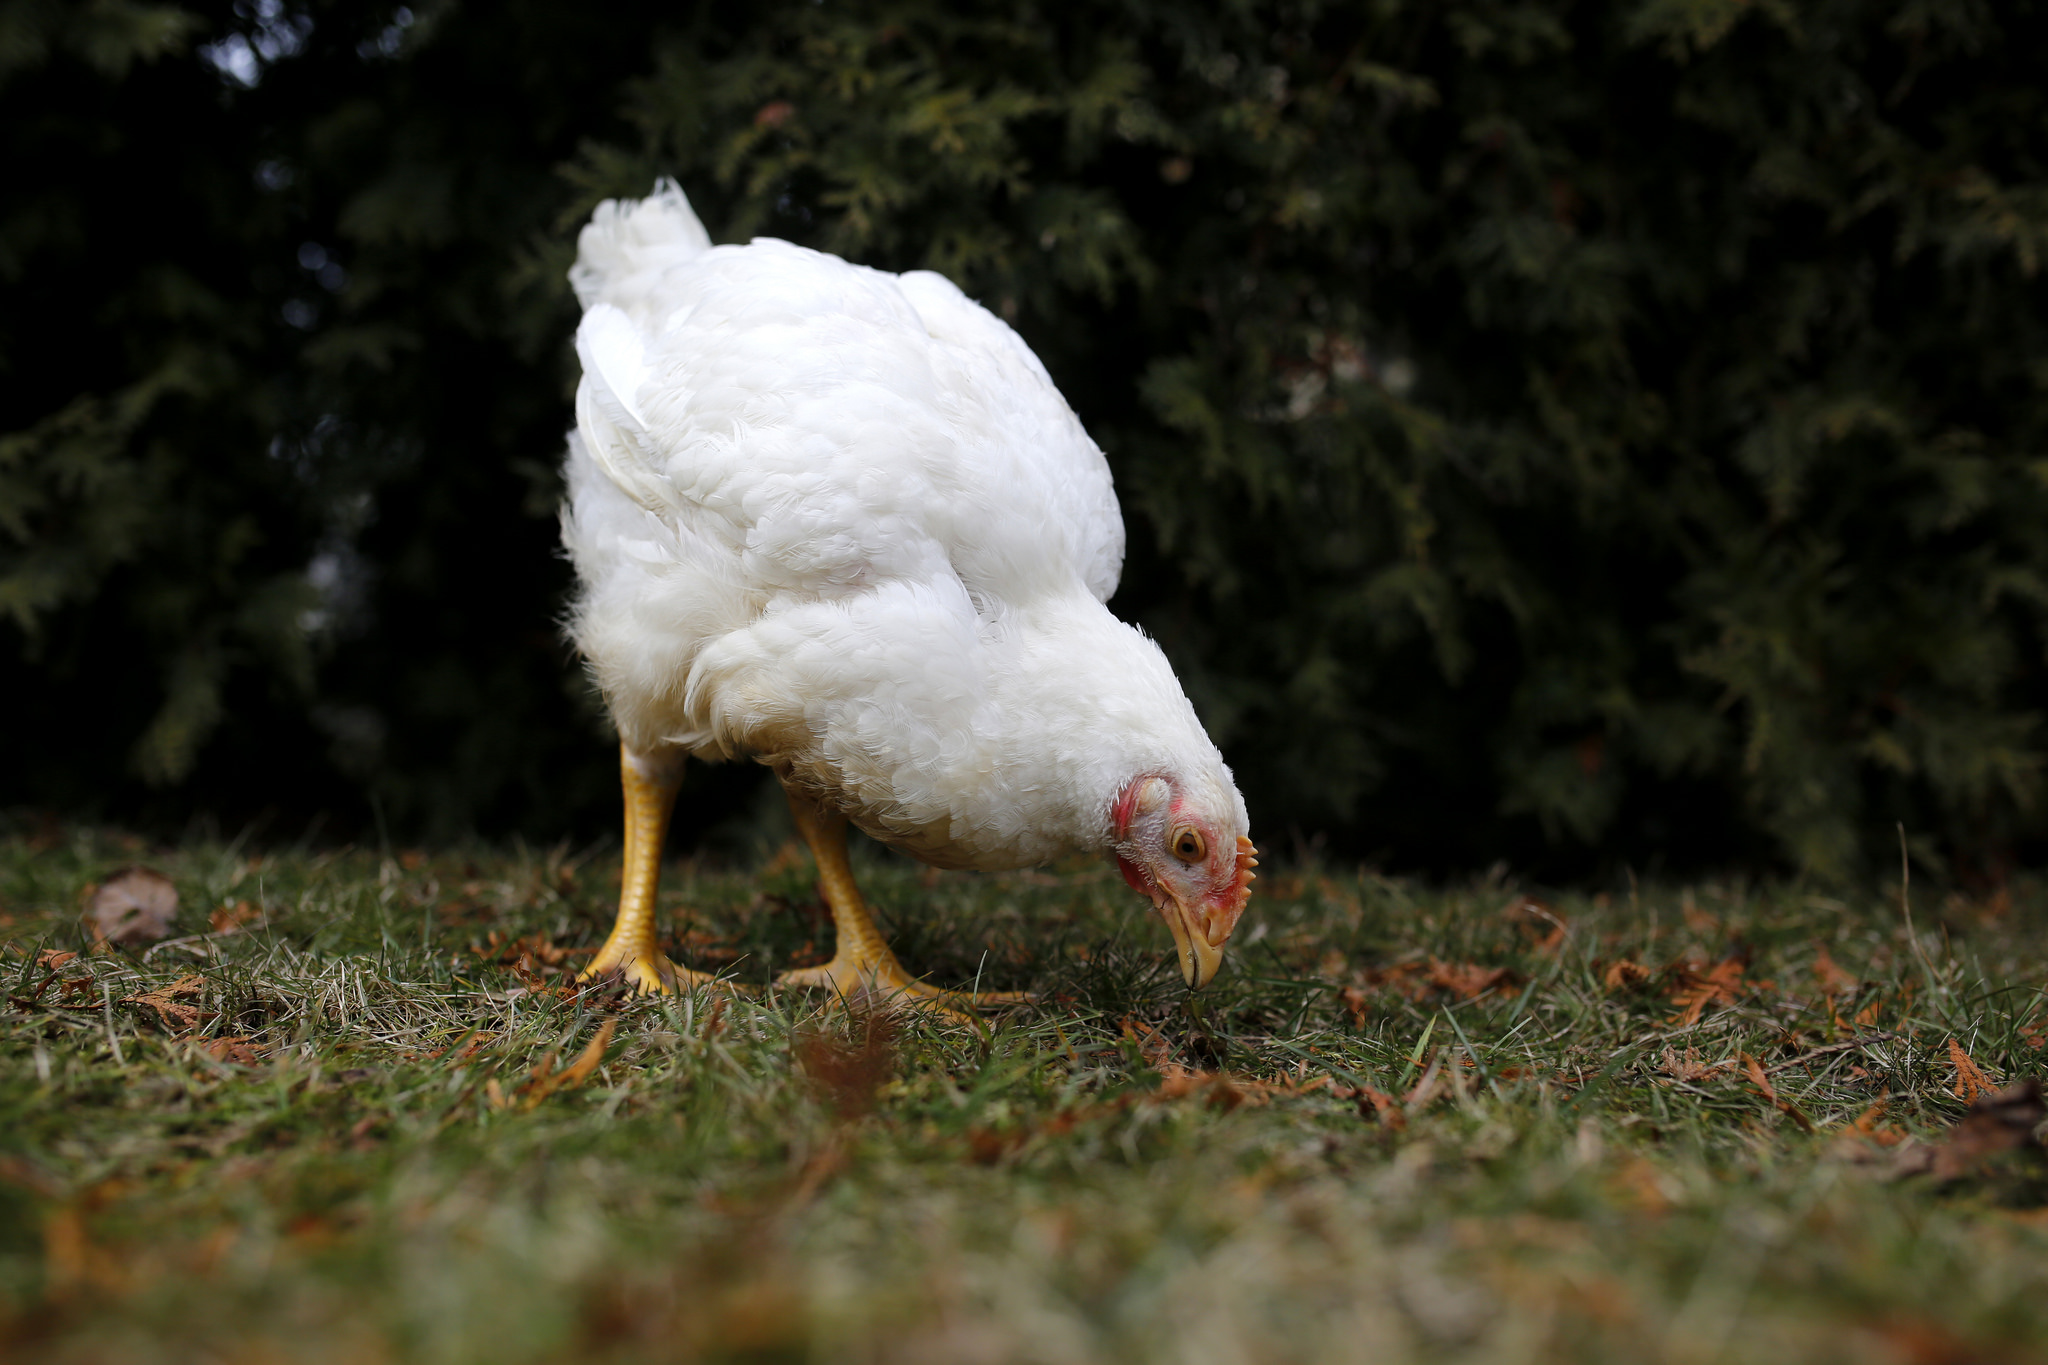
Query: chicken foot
[
  {"x": 861, "y": 961},
  {"x": 650, "y": 786}
]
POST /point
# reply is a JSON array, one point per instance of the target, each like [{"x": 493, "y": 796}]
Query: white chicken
[{"x": 840, "y": 521}]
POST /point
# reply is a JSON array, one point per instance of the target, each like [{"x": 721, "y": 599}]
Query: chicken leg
[
  {"x": 650, "y": 785},
  {"x": 861, "y": 961}
]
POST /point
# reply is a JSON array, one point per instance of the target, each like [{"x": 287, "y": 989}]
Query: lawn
[{"x": 350, "y": 1109}]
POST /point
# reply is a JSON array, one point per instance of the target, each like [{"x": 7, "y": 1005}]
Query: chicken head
[{"x": 1184, "y": 853}]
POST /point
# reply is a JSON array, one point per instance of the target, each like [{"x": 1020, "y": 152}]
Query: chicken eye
[{"x": 1188, "y": 846}]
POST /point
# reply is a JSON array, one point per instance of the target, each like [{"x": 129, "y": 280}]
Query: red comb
[{"x": 1224, "y": 918}]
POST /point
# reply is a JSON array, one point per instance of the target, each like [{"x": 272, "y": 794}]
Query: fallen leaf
[
  {"x": 702, "y": 950},
  {"x": 1693, "y": 990},
  {"x": 1832, "y": 980},
  {"x": 1640, "y": 1184},
  {"x": 1625, "y": 975},
  {"x": 593, "y": 1056},
  {"x": 52, "y": 962},
  {"x": 1429, "y": 1086},
  {"x": 1970, "y": 1078},
  {"x": 988, "y": 1146},
  {"x": 240, "y": 1050},
  {"x": 1416, "y": 980},
  {"x": 1469, "y": 980},
  {"x": 1221, "y": 1091},
  {"x": 1152, "y": 1044},
  {"x": 135, "y": 905},
  {"x": 1375, "y": 1104},
  {"x": 18, "y": 1171},
  {"x": 1999, "y": 1122},
  {"x": 1690, "y": 1068},
  {"x": 1540, "y": 920},
  {"x": 176, "y": 1004},
  {"x": 1862, "y": 1138},
  {"x": 232, "y": 919},
  {"x": 471, "y": 1043},
  {"x": 1763, "y": 1084},
  {"x": 1868, "y": 1015},
  {"x": 849, "y": 1068},
  {"x": 536, "y": 948}
]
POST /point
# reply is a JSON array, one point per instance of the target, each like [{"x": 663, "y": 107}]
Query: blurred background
[{"x": 1586, "y": 435}]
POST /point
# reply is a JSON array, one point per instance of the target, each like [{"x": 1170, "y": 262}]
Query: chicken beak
[{"x": 1199, "y": 958}]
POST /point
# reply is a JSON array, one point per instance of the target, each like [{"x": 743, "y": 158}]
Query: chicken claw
[
  {"x": 862, "y": 964},
  {"x": 630, "y": 950}
]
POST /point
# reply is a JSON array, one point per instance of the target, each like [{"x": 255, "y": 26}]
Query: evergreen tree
[{"x": 1553, "y": 431}]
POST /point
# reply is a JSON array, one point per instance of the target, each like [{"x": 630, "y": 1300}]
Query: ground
[{"x": 349, "y": 1109}]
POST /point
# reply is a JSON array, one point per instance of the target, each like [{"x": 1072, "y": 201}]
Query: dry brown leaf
[
  {"x": 1763, "y": 1084},
  {"x": 849, "y": 1068},
  {"x": 1692, "y": 990},
  {"x": 1924, "y": 1341},
  {"x": 1431, "y": 1085},
  {"x": 1690, "y": 1068},
  {"x": 593, "y": 1056},
  {"x": 1417, "y": 980},
  {"x": 1642, "y": 1185},
  {"x": 53, "y": 961},
  {"x": 240, "y": 1050},
  {"x": 1375, "y": 1104},
  {"x": 1832, "y": 980},
  {"x": 176, "y": 1005},
  {"x": 135, "y": 905},
  {"x": 232, "y": 919},
  {"x": 1999, "y": 1122},
  {"x": 536, "y": 947},
  {"x": 1866, "y": 1128},
  {"x": 17, "y": 1171},
  {"x": 1152, "y": 1044},
  {"x": 1970, "y": 1078},
  {"x": 544, "y": 1080},
  {"x": 471, "y": 1043},
  {"x": 988, "y": 1146},
  {"x": 1221, "y": 1091},
  {"x": 1540, "y": 920},
  {"x": 1469, "y": 980},
  {"x": 1625, "y": 975}
]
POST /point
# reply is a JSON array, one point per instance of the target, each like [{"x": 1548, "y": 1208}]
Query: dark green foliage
[{"x": 1613, "y": 429}]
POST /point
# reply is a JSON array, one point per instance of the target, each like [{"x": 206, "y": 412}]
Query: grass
[{"x": 1409, "y": 1124}]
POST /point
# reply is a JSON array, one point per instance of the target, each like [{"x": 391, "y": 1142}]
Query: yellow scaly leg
[
  {"x": 861, "y": 961},
  {"x": 650, "y": 787}
]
